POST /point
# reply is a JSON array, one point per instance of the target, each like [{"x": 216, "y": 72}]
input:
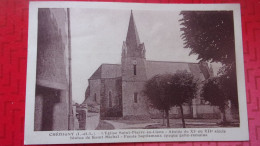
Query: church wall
[
  {"x": 130, "y": 107},
  {"x": 133, "y": 83},
  {"x": 95, "y": 87},
  {"x": 128, "y": 69},
  {"x": 111, "y": 98}
]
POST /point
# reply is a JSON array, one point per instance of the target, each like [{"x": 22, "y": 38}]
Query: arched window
[
  {"x": 110, "y": 99},
  {"x": 95, "y": 97},
  {"x": 134, "y": 69},
  {"x": 135, "y": 97}
]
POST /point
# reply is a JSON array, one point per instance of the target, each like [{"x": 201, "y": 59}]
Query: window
[
  {"x": 95, "y": 97},
  {"x": 110, "y": 99},
  {"x": 135, "y": 97},
  {"x": 134, "y": 69}
]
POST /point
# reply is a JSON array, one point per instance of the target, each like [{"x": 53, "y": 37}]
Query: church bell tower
[
  {"x": 133, "y": 54},
  {"x": 133, "y": 72}
]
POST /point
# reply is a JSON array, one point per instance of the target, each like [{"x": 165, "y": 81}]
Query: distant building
[
  {"x": 52, "y": 103},
  {"x": 117, "y": 88}
]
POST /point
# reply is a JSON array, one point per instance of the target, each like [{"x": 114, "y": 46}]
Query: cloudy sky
[{"x": 97, "y": 37}]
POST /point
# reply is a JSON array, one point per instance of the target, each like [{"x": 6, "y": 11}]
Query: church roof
[
  {"x": 96, "y": 74},
  {"x": 161, "y": 67},
  {"x": 107, "y": 71}
]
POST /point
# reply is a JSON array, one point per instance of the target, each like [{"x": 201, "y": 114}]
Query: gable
[
  {"x": 107, "y": 71},
  {"x": 96, "y": 74}
]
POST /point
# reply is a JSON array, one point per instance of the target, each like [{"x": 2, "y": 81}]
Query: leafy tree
[
  {"x": 156, "y": 89},
  {"x": 210, "y": 35},
  {"x": 166, "y": 91},
  {"x": 213, "y": 92},
  {"x": 227, "y": 77},
  {"x": 183, "y": 87}
]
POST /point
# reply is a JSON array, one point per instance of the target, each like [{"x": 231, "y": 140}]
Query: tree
[
  {"x": 210, "y": 35},
  {"x": 213, "y": 92},
  {"x": 156, "y": 90},
  {"x": 166, "y": 91},
  {"x": 183, "y": 87},
  {"x": 227, "y": 77}
]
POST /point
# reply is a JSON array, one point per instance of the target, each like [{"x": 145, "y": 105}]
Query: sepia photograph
[{"x": 109, "y": 69}]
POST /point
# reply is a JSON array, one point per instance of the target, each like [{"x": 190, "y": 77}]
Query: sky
[{"x": 97, "y": 37}]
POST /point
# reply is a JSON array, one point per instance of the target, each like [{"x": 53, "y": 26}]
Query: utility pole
[{"x": 70, "y": 118}]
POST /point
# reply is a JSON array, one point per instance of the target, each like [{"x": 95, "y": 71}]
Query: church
[{"x": 117, "y": 88}]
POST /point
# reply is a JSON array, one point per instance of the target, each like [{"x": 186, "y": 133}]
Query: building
[
  {"x": 117, "y": 88},
  {"x": 53, "y": 107}
]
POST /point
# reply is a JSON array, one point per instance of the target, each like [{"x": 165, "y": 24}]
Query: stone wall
[
  {"x": 128, "y": 69},
  {"x": 130, "y": 107},
  {"x": 206, "y": 111},
  {"x": 82, "y": 117},
  {"x": 203, "y": 111},
  {"x": 92, "y": 121},
  {"x": 113, "y": 88},
  {"x": 133, "y": 79},
  {"x": 95, "y": 88},
  {"x": 174, "y": 112}
]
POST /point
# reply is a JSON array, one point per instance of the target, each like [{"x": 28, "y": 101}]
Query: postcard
[{"x": 106, "y": 72}]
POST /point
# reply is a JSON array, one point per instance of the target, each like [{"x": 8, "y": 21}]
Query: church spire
[
  {"x": 132, "y": 46},
  {"x": 132, "y": 38}
]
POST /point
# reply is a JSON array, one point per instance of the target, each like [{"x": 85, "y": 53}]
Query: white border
[{"x": 42, "y": 137}]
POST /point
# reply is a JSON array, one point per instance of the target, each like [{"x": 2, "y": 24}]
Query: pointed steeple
[
  {"x": 132, "y": 38},
  {"x": 132, "y": 47}
]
